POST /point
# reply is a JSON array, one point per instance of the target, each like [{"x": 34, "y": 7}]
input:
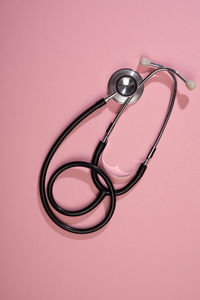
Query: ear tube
[
  {"x": 144, "y": 61},
  {"x": 190, "y": 84}
]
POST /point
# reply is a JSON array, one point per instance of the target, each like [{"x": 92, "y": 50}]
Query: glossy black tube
[{"x": 42, "y": 181}]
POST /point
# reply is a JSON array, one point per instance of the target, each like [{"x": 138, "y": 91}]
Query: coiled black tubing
[
  {"x": 47, "y": 198},
  {"x": 46, "y": 193}
]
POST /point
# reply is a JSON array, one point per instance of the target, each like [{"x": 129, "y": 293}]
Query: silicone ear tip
[
  {"x": 145, "y": 61},
  {"x": 190, "y": 84}
]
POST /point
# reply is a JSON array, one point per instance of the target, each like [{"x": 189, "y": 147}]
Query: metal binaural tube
[
  {"x": 172, "y": 70},
  {"x": 159, "y": 70},
  {"x": 112, "y": 124},
  {"x": 189, "y": 83}
]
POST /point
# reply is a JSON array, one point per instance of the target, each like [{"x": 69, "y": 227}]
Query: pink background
[{"x": 56, "y": 60}]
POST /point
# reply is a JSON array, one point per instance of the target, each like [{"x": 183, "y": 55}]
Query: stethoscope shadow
[{"x": 183, "y": 100}]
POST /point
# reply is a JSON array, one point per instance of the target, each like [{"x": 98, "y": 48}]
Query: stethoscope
[{"x": 125, "y": 86}]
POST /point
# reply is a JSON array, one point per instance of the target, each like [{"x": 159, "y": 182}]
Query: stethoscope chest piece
[{"x": 125, "y": 82}]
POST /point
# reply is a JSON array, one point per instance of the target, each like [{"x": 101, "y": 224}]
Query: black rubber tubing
[
  {"x": 46, "y": 198},
  {"x": 95, "y": 171}
]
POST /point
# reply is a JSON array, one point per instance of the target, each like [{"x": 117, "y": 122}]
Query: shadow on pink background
[{"x": 56, "y": 59}]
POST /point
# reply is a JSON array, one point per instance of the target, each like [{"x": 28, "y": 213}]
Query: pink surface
[{"x": 56, "y": 60}]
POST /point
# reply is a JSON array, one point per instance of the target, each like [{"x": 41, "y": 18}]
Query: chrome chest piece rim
[{"x": 125, "y": 82}]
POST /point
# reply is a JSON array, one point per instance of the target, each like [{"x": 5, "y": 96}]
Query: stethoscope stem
[{"x": 109, "y": 97}]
